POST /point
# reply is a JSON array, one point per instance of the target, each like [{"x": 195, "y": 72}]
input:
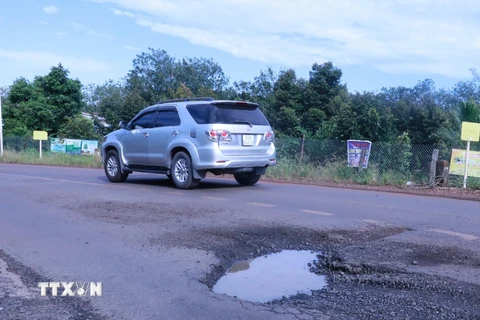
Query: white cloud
[
  {"x": 50, "y": 9},
  {"x": 47, "y": 60},
  {"x": 410, "y": 36},
  {"x": 122, "y": 13},
  {"x": 91, "y": 32},
  {"x": 42, "y": 22},
  {"x": 61, "y": 34}
]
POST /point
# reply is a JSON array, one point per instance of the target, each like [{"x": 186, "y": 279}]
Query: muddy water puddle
[{"x": 271, "y": 277}]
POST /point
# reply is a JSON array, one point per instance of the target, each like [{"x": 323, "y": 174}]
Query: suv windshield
[{"x": 227, "y": 114}]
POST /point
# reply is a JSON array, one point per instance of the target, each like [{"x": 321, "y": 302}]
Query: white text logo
[{"x": 70, "y": 289}]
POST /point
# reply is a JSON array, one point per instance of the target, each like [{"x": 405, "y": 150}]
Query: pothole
[{"x": 275, "y": 276}]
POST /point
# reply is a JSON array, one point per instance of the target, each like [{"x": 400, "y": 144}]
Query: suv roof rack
[{"x": 187, "y": 99}]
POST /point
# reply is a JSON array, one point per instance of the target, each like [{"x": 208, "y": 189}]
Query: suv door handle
[
  {"x": 174, "y": 133},
  {"x": 145, "y": 135}
]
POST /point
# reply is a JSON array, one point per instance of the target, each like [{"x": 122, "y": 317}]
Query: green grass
[
  {"x": 457, "y": 182},
  {"x": 285, "y": 170},
  {"x": 50, "y": 158},
  {"x": 289, "y": 170}
]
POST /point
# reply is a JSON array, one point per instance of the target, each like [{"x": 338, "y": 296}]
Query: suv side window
[
  {"x": 144, "y": 122},
  {"x": 168, "y": 118}
]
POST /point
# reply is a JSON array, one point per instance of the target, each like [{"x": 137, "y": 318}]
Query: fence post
[
  {"x": 433, "y": 166},
  {"x": 362, "y": 160},
  {"x": 302, "y": 146}
]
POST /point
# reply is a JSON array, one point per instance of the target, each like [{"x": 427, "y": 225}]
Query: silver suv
[{"x": 186, "y": 138}]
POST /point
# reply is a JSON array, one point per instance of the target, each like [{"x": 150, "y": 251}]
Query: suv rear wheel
[
  {"x": 182, "y": 172},
  {"x": 112, "y": 168},
  {"x": 247, "y": 178}
]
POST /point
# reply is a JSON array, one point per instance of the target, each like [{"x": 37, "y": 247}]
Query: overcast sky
[{"x": 376, "y": 43}]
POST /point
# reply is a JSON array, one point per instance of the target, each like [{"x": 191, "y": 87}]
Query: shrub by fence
[
  {"x": 390, "y": 162},
  {"x": 412, "y": 162}
]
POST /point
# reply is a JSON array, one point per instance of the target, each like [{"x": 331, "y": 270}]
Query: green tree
[
  {"x": 466, "y": 111},
  {"x": 27, "y": 109},
  {"x": 261, "y": 91},
  {"x": 61, "y": 95},
  {"x": 287, "y": 104},
  {"x": 312, "y": 120},
  {"x": 182, "y": 92},
  {"x": 156, "y": 76},
  {"x": 43, "y": 104},
  {"x": 152, "y": 76},
  {"x": 287, "y": 122},
  {"x": 78, "y": 127},
  {"x": 201, "y": 76},
  {"x": 345, "y": 120},
  {"x": 324, "y": 85}
]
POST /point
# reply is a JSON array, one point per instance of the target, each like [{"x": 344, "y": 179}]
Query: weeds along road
[{"x": 158, "y": 250}]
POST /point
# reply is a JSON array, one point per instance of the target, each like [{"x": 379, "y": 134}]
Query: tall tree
[
  {"x": 62, "y": 95},
  {"x": 78, "y": 127},
  {"x": 200, "y": 76},
  {"x": 27, "y": 109},
  {"x": 152, "y": 76},
  {"x": 156, "y": 76},
  {"x": 324, "y": 85},
  {"x": 287, "y": 105}
]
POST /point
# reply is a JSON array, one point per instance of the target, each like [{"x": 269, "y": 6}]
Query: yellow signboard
[
  {"x": 40, "y": 135},
  {"x": 470, "y": 131},
  {"x": 457, "y": 163}
]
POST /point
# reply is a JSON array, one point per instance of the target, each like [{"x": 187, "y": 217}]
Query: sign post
[
  {"x": 40, "y": 135},
  {"x": 470, "y": 132}
]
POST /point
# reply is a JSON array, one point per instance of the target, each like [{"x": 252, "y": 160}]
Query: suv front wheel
[
  {"x": 182, "y": 172},
  {"x": 112, "y": 167},
  {"x": 247, "y": 178}
]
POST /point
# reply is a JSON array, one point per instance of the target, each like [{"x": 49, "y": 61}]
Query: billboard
[
  {"x": 457, "y": 163},
  {"x": 74, "y": 146},
  {"x": 355, "y": 148}
]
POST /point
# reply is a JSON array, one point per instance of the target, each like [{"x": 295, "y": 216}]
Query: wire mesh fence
[
  {"x": 402, "y": 161},
  {"x": 24, "y": 144},
  {"x": 412, "y": 162}
]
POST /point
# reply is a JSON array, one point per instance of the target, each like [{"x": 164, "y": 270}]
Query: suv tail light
[
  {"x": 219, "y": 135},
  {"x": 269, "y": 136}
]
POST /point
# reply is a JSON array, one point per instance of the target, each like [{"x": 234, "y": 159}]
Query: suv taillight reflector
[
  {"x": 219, "y": 135},
  {"x": 269, "y": 136}
]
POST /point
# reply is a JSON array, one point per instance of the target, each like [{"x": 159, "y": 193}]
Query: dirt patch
[
  {"x": 437, "y": 191},
  {"x": 369, "y": 275},
  {"x": 444, "y": 192},
  {"x": 20, "y": 297},
  {"x": 123, "y": 212},
  {"x": 254, "y": 240}
]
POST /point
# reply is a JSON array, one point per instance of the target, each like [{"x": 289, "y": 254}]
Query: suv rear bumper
[{"x": 213, "y": 159}]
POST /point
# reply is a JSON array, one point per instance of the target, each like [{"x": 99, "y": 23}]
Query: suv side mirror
[{"x": 123, "y": 125}]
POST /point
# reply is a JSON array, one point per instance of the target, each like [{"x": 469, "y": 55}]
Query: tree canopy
[{"x": 319, "y": 107}]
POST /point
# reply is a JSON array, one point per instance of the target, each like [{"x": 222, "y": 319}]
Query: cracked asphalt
[{"x": 158, "y": 251}]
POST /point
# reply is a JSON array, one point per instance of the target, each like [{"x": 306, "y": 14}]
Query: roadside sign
[
  {"x": 470, "y": 131},
  {"x": 358, "y": 152},
  {"x": 40, "y": 135},
  {"x": 458, "y": 161}
]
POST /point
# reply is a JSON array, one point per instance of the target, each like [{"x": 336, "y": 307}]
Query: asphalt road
[{"x": 71, "y": 224}]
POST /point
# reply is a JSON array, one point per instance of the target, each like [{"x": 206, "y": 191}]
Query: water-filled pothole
[{"x": 271, "y": 277}]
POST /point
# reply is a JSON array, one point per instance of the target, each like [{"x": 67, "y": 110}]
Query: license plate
[{"x": 247, "y": 140}]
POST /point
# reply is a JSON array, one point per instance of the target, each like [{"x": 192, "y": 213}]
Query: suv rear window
[{"x": 227, "y": 114}]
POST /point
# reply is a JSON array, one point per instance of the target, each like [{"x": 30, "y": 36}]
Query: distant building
[{"x": 91, "y": 116}]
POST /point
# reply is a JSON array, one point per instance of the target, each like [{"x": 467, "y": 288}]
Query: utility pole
[{"x": 1, "y": 126}]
